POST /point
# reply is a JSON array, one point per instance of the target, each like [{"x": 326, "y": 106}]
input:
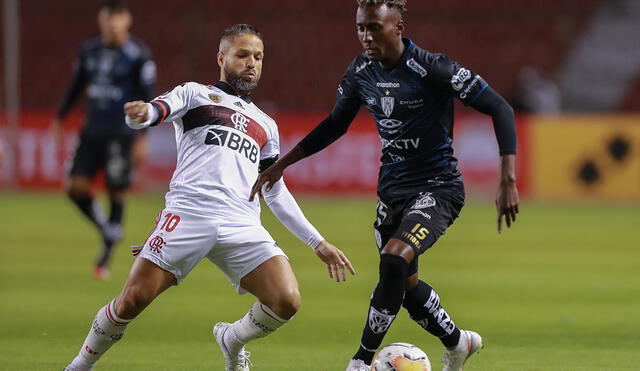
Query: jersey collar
[
  {"x": 408, "y": 46},
  {"x": 225, "y": 87}
]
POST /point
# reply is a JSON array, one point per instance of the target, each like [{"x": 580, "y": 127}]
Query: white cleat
[
  {"x": 232, "y": 362},
  {"x": 468, "y": 344},
  {"x": 358, "y": 365}
]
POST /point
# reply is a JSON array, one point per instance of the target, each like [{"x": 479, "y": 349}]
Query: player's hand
[
  {"x": 335, "y": 260},
  {"x": 507, "y": 203},
  {"x": 137, "y": 111},
  {"x": 268, "y": 177}
]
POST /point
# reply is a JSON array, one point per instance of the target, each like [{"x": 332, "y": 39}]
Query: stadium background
[{"x": 556, "y": 292}]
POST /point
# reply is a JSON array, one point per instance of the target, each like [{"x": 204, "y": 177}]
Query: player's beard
[{"x": 241, "y": 85}]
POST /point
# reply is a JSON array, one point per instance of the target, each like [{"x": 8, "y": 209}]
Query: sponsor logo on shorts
[
  {"x": 379, "y": 322},
  {"x": 239, "y": 104},
  {"x": 156, "y": 244},
  {"x": 419, "y": 212}
]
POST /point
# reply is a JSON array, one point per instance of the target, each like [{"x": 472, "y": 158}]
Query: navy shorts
[
  {"x": 112, "y": 154},
  {"x": 418, "y": 219}
]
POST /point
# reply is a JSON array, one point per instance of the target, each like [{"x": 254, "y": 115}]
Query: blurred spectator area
[{"x": 309, "y": 43}]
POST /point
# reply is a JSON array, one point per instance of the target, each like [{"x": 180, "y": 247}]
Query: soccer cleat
[
  {"x": 232, "y": 362},
  {"x": 70, "y": 368},
  {"x": 101, "y": 273},
  {"x": 111, "y": 235},
  {"x": 468, "y": 344},
  {"x": 358, "y": 365}
]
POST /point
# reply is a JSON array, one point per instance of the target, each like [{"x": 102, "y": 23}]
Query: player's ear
[
  {"x": 400, "y": 27},
  {"x": 220, "y": 59}
]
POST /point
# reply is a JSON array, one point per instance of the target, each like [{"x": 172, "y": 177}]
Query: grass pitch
[{"x": 559, "y": 291}]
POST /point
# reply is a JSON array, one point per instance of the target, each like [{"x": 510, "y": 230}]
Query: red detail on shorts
[{"x": 156, "y": 244}]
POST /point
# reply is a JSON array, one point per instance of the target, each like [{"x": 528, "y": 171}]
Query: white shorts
[{"x": 181, "y": 240}]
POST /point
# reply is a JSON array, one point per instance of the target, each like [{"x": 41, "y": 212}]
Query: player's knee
[
  {"x": 393, "y": 266},
  {"x": 287, "y": 304}
]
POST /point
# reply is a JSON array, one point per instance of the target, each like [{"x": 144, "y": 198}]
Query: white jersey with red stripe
[{"x": 221, "y": 139}]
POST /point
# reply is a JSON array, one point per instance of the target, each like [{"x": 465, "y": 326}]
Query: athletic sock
[
  {"x": 91, "y": 209},
  {"x": 385, "y": 304},
  {"x": 259, "y": 322},
  {"x": 115, "y": 215},
  {"x": 423, "y": 305},
  {"x": 106, "y": 330}
]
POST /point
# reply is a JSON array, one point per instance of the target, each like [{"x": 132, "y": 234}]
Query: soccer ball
[{"x": 401, "y": 357}]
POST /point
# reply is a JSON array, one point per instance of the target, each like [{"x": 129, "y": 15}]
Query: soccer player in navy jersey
[
  {"x": 112, "y": 68},
  {"x": 410, "y": 93}
]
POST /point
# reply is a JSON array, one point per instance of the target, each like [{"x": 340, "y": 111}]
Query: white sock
[
  {"x": 259, "y": 322},
  {"x": 106, "y": 330}
]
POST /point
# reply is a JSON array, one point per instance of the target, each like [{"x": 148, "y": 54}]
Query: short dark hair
[
  {"x": 240, "y": 29},
  {"x": 115, "y": 6},
  {"x": 401, "y": 5}
]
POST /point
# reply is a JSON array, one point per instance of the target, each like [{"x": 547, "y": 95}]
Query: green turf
[{"x": 561, "y": 291}]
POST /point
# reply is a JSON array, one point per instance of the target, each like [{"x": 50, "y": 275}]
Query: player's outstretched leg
[
  {"x": 276, "y": 288},
  {"x": 385, "y": 304},
  {"x": 423, "y": 304},
  {"x": 111, "y": 232},
  {"x": 146, "y": 281}
]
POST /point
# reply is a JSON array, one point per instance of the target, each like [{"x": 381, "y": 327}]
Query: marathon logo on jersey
[
  {"x": 458, "y": 80},
  {"x": 233, "y": 141},
  {"x": 417, "y": 68},
  {"x": 388, "y": 84}
]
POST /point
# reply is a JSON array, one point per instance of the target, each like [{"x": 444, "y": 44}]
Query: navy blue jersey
[
  {"x": 413, "y": 106},
  {"x": 111, "y": 77}
]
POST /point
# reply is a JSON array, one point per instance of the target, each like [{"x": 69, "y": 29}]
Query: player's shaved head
[{"x": 236, "y": 30}]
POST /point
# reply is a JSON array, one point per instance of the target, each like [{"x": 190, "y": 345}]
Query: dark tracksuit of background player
[
  {"x": 112, "y": 76},
  {"x": 420, "y": 188}
]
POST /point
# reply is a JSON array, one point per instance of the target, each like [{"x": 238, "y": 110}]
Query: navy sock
[
  {"x": 385, "y": 304},
  {"x": 90, "y": 209},
  {"x": 115, "y": 216},
  {"x": 423, "y": 305}
]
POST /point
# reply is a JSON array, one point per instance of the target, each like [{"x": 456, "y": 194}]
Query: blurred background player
[
  {"x": 113, "y": 68},
  {"x": 409, "y": 91},
  {"x": 223, "y": 142}
]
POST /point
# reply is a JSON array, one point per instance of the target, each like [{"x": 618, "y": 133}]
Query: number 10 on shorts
[{"x": 170, "y": 222}]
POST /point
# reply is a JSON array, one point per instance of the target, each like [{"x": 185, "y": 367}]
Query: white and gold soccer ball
[{"x": 401, "y": 357}]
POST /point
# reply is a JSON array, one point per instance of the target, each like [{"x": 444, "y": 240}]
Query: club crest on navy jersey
[{"x": 387, "y": 104}]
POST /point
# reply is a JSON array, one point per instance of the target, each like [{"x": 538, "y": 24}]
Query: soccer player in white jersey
[{"x": 223, "y": 141}]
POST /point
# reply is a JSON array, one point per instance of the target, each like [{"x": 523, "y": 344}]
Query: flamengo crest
[{"x": 240, "y": 121}]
